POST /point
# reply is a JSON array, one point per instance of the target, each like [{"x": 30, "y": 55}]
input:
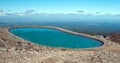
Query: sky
[{"x": 60, "y": 6}]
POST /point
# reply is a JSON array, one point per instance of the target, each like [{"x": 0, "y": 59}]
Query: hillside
[{"x": 115, "y": 37}]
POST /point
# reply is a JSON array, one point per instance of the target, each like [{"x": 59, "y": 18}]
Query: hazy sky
[{"x": 62, "y": 6}]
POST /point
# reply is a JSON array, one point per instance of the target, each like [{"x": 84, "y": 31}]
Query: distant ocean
[{"x": 90, "y": 26}]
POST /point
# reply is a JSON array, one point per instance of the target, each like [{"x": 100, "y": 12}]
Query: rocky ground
[
  {"x": 16, "y": 50},
  {"x": 115, "y": 37}
]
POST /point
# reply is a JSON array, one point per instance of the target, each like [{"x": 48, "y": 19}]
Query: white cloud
[
  {"x": 29, "y": 12},
  {"x": 117, "y": 15},
  {"x": 33, "y": 13},
  {"x": 1, "y": 11},
  {"x": 97, "y": 13},
  {"x": 80, "y": 11},
  {"x": 9, "y": 10}
]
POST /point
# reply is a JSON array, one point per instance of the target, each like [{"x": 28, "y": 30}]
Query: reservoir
[{"x": 55, "y": 38}]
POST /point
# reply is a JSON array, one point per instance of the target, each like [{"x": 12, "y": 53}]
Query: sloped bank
[{"x": 108, "y": 53}]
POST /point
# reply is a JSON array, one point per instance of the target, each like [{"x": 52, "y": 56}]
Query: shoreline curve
[{"x": 60, "y": 29}]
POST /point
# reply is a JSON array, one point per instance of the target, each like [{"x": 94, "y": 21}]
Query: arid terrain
[
  {"x": 115, "y": 37},
  {"x": 16, "y": 50}
]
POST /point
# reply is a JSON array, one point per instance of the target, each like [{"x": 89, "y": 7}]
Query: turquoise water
[{"x": 54, "y": 38}]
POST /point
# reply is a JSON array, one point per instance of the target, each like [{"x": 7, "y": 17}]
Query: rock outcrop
[{"x": 115, "y": 37}]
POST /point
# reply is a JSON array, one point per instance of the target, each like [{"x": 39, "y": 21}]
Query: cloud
[
  {"x": 97, "y": 13},
  {"x": 8, "y": 13},
  {"x": 108, "y": 14},
  {"x": 80, "y": 11},
  {"x": 25, "y": 13},
  {"x": 29, "y": 12},
  {"x": 117, "y": 15},
  {"x": 1, "y": 11},
  {"x": 33, "y": 13},
  {"x": 9, "y": 10}
]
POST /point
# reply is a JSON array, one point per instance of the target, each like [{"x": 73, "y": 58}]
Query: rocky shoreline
[{"x": 16, "y": 50}]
